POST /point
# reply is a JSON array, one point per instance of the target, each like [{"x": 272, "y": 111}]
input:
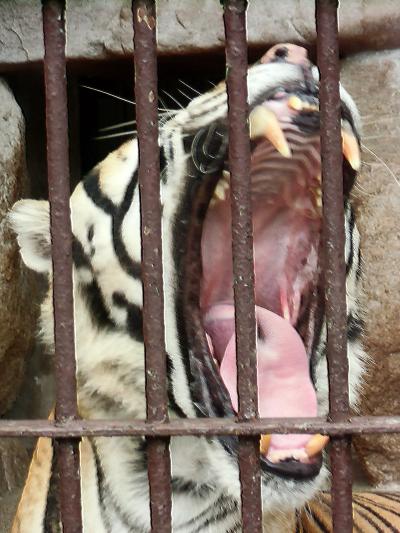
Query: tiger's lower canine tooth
[
  {"x": 264, "y": 444},
  {"x": 263, "y": 123},
  {"x": 316, "y": 444},
  {"x": 220, "y": 190},
  {"x": 351, "y": 150},
  {"x": 295, "y": 103}
]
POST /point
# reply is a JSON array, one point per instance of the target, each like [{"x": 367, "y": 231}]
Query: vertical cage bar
[
  {"x": 242, "y": 247},
  {"x": 334, "y": 259},
  {"x": 145, "y": 50},
  {"x": 59, "y": 192}
]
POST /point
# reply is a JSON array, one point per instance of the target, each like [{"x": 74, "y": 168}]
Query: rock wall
[
  {"x": 17, "y": 310},
  {"x": 373, "y": 79},
  {"x": 17, "y": 296},
  {"x": 189, "y": 26}
]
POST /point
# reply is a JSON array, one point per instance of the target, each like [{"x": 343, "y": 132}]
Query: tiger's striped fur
[
  {"x": 109, "y": 341},
  {"x": 373, "y": 512}
]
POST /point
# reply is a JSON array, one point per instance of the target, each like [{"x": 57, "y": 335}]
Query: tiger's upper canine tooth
[
  {"x": 316, "y": 444},
  {"x": 264, "y": 444},
  {"x": 351, "y": 150},
  {"x": 263, "y": 123}
]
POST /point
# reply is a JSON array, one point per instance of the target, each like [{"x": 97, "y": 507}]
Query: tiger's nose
[{"x": 290, "y": 53}]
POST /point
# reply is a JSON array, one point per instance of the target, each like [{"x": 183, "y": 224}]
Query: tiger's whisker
[
  {"x": 361, "y": 190},
  {"x": 109, "y": 94},
  {"x": 169, "y": 112},
  {"x": 185, "y": 95},
  {"x": 112, "y": 135},
  {"x": 173, "y": 99},
  {"x": 120, "y": 125},
  {"x": 190, "y": 87},
  {"x": 131, "y": 102},
  {"x": 380, "y": 160}
]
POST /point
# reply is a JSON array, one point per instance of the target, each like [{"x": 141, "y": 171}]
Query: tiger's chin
[{"x": 286, "y": 202}]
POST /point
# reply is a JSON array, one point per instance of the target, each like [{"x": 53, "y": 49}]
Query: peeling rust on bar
[
  {"x": 61, "y": 236},
  {"x": 334, "y": 262},
  {"x": 144, "y": 21},
  {"x": 357, "y": 425},
  {"x": 242, "y": 248}
]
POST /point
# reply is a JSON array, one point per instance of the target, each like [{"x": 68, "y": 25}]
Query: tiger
[{"x": 285, "y": 170}]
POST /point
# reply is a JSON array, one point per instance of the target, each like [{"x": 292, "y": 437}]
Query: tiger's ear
[{"x": 30, "y": 220}]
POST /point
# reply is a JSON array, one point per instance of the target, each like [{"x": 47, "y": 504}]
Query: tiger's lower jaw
[{"x": 278, "y": 494}]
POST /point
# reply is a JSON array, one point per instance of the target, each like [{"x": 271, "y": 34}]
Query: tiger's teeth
[
  {"x": 263, "y": 123},
  {"x": 264, "y": 444},
  {"x": 316, "y": 444},
  {"x": 220, "y": 190},
  {"x": 318, "y": 197},
  {"x": 295, "y": 103},
  {"x": 351, "y": 150}
]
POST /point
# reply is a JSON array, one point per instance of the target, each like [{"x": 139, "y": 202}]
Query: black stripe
[
  {"x": 101, "y": 486},
  {"x": 91, "y": 186},
  {"x": 393, "y": 497},
  {"x": 171, "y": 397},
  {"x": 222, "y": 513},
  {"x": 318, "y": 522},
  {"x": 52, "y": 522},
  {"x": 222, "y": 507},
  {"x": 377, "y": 504},
  {"x": 359, "y": 267},
  {"x": 131, "y": 267},
  {"x": 134, "y": 324},
  {"x": 299, "y": 527},
  {"x": 325, "y": 500},
  {"x": 163, "y": 165},
  {"x": 80, "y": 258},
  {"x": 94, "y": 300},
  {"x": 183, "y": 486},
  {"x": 351, "y": 222},
  {"x": 180, "y": 228},
  {"x": 107, "y": 496},
  {"x": 237, "y": 528},
  {"x": 355, "y": 327},
  {"x": 376, "y": 515}
]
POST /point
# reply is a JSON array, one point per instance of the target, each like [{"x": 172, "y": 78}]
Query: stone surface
[
  {"x": 14, "y": 462},
  {"x": 101, "y": 29},
  {"x": 17, "y": 310},
  {"x": 374, "y": 80}
]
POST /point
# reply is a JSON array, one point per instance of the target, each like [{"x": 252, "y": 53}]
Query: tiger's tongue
[{"x": 284, "y": 385}]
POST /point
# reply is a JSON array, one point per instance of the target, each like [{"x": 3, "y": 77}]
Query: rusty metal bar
[
  {"x": 61, "y": 237},
  {"x": 145, "y": 50},
  {"x": 334, "y": 259},
  {"x": 242, "y": 248},
  {"x": 357, "y": 425}
]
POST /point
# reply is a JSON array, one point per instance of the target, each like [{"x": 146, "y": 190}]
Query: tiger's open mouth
[{"x": 287, "y": 222}]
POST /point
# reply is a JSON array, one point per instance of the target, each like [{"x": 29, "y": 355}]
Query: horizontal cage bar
[{"x": 355, "y": 425}]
